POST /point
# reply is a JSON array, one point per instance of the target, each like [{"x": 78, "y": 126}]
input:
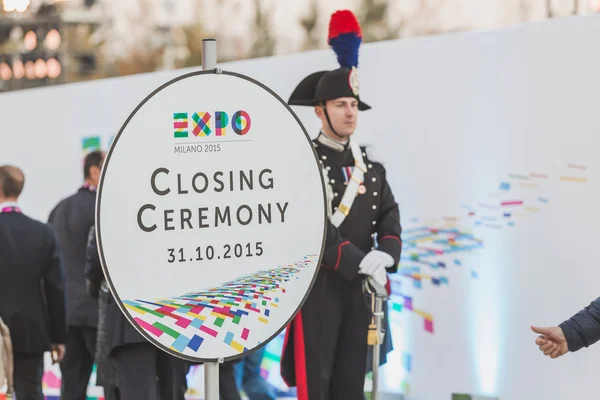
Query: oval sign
[{"x": 211, "y": 216}]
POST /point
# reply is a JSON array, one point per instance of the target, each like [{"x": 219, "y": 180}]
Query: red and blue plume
[{"x": 345, "y": 36}]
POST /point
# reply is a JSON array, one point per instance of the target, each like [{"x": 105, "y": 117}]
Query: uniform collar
[
  {"x": 8, "y": 204},
  {"x": 332, "y": 144}
]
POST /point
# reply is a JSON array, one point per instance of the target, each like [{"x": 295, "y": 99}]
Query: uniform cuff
[
  {"x": 348, "y": 260},
  {"x": 391, "y": 245}
]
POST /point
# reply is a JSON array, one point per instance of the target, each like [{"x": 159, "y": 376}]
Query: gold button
[
  {"x": 374, "y": 207},
  {"x": 374, "y": 193},
  {"x": 374, "y": 179}
]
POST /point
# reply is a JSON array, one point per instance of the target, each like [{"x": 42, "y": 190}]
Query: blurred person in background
[
  {"x": 228, "y": 388},
  {"x": 133, "y": 367},
  {"x": 98, "y": 289},
  {"x": 72, "y": 219},
  {"x": 248, "y": 378},
  {"x": 32, "y": 297}
]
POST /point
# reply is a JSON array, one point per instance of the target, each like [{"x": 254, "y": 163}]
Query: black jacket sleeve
[
  {"x": 583, "y": 328},
  {"x": 340, "y": 254},
  {"x": 93, "y": 267},
  {"x": 388, "y": 226},
  {"x": 54, "y": 291}
]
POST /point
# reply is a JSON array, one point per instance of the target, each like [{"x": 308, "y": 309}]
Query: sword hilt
[{"x": 370, "y": 286}]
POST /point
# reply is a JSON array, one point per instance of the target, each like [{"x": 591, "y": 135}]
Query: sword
[{"x": 375, "y": 337}]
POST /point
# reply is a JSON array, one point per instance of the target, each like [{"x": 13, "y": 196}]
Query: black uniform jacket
[{"x": 373, "y": 221}]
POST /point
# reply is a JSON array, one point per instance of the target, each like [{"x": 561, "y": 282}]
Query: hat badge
[{"x": 353, "y": 80}]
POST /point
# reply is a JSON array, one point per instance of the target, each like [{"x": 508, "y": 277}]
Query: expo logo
[{"x": 202, "y": 124}]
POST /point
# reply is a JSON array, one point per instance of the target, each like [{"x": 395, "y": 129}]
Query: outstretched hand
[{"x": 552, "y": 341}]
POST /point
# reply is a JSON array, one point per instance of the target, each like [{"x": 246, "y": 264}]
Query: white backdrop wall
[{"x": 463, "y": 123}]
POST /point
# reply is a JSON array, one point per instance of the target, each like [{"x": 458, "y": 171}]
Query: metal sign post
[
  {"x": 209, "y": 54},
  {"x": 211, "y": 369},
  {"x": 377, "y": 348},
  {"x": 378, "y": 296},
  {"x": 211, "y": 380}
]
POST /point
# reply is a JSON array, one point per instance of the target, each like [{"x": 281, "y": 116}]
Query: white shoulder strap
[{"x": 358, "y": 173}]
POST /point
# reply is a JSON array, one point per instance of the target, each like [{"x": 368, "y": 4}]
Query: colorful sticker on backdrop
[
  {"x": 429, "y": 249},
  {"x": 93, "y": 143}
]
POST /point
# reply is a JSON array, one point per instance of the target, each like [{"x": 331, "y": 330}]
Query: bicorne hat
[{"x": 345, "y": 36}]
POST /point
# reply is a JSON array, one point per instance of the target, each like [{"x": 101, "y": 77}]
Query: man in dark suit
[
  {"x": 579, "y": 331},
  {"x": 72, "y": 219},
  {"x": 32, "y": 299},
  {"x": 134, "y": 368}
]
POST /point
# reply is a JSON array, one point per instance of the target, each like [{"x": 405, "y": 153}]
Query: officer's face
[{"x": 343, "y": 113}]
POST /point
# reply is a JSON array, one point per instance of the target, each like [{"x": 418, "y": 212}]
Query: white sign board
[{"x": 211, "y": 216}]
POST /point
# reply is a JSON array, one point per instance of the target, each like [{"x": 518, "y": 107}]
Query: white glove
[
  {"x": 380, "y": 275},
  {"x": 373, "y": 260},
  {"x": 374, "y": 264}
]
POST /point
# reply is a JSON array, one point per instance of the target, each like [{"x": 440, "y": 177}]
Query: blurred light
[
  {"x": 5, "y": 72},
  {"x": 30, "y": 41},
  {"x": 54, "y": 68},
  {"x": 41, "y": 69},
  {"x": 9, "y": 5},
  {"x": 16, "y": 33},
  {"x": 22, "y": 5},
  {"x": 16, "y": 5},
  {"x": 53, "y": 39},
  {"x": 594, "y": 5},
  {"x": 18, "y": 69},
  {"x": 487, "y": 328},
  {"x": 30, "y": 70}
]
